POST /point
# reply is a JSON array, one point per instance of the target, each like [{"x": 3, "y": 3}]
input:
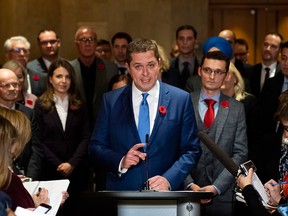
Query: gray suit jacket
[
  {"x": 37, "y": 81},
  {"x": 105, "y": 71},
  {"x": 230, "y": 136},
  {"x": 35, "y": 65}
]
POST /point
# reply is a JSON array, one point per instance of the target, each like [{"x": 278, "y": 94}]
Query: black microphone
[
  {"x": 227, "y": 162},
  {"x": 147, "y": 187},
  {"x": 146, "y": 183}
]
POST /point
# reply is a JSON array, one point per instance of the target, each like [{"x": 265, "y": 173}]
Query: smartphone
[
  {"x": 283, "y": 210},
  {"x": 42, "y": 208},
  {"x": 246, "y": 166}
]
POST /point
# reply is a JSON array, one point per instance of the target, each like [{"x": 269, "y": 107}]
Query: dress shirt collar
[
  {"x": 272, "y": 67},
  {"x": 190, "y": 60},
  {"x": 203, "y": 96},
  {"x": 2, "y": 105},
  {"x": 63, "y": 103},
  {"x": 154, "y": 92},
  {"x": 47, "y": 62}
]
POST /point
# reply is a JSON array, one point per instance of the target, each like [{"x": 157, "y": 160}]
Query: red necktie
[{"x": 209, "y": 115}]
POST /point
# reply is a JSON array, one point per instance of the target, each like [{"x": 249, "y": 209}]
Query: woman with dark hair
[{"x": 65, "y": 132}]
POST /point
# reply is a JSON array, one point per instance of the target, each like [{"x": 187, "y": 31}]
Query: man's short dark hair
[
  {"x": 217, "y": 55},
  {"x": 242, "y": 41},
  {"x": 142, "y": 45},
  {"x": 186, "y": 27},
  {"x": 121, "y": 35},
  {"x": 278, "y": 35},
  {"x": 284, "y": 45},
  {"x": 44, "y": 30},
  {"x": 103, "y": 42}
]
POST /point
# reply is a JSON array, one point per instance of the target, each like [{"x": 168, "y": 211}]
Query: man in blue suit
[{"x": 173, "y": 149}]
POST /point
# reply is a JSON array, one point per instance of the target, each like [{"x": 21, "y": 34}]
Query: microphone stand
[{"x": 147, "y": 187}]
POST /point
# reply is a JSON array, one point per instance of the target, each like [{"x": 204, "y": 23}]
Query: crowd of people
[{"x": 99, "y": 118}]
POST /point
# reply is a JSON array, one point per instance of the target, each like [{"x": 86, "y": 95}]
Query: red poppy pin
[
  {"x": 72, "y": 107},
  {"x": 36, "y": 77},
  {"x": 29, "y": 102},
  {"x": 224, "y": 104},
  {"x": 162, "y": 110},
  {"x": 101, "y": 66}
]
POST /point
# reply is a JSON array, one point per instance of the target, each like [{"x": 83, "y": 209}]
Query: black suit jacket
[
  {"x": 255, "y": 77},
  {"x": 173, "y": 75},
  {"x": 69, "y": 145},
  {"x": 31, "y": 157},
  {"x": 267, "y": 135}
]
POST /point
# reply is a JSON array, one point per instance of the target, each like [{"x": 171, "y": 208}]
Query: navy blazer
[{"x": 173, "y": 149}]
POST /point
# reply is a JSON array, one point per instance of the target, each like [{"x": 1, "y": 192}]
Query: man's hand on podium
[{"x": 159, "y": 183}]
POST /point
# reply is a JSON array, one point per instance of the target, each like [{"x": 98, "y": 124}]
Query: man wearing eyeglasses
[
  {"x": 49, "y": 45},
  {"x": 92, "y": 77},
  {"x": 18, "y": 48},
  {"x": 223, "y": 119},
  {"x": 28, "y": 163}
]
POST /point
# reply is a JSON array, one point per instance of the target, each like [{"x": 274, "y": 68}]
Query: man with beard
[
  {"x": 269, "y": 65},
  {"x": 29, "y": 161}
]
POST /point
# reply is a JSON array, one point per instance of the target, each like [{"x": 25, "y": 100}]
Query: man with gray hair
[{"x": 18, "y": 48}]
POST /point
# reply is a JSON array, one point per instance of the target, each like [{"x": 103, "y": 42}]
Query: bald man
[
  {"x": 29, "y": 161},
  {"x": 92, "y": 78},
  {"x": 92, "y": 73}
]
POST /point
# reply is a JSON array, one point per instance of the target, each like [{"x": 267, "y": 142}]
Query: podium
[{"x": 146, "y": 203}]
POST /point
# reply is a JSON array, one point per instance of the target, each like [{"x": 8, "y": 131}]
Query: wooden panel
[
  {"x": 283, "y": 23},
  {"x": 250, "y": 22},
  {"x": 240, "y": 21}
]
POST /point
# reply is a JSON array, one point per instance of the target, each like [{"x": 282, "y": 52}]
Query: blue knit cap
[{"x": 219, "y": 42}]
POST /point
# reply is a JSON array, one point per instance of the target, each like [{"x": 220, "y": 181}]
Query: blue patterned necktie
[{"x": 144, "y": 121}]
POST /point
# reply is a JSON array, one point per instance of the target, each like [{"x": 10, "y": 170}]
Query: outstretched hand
[{"x": 133, "y": 156}]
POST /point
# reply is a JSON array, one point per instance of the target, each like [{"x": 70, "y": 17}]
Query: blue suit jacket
[{"x": 173, "y": 148}]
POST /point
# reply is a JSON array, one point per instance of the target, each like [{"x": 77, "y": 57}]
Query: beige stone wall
[{"x": 155, "y": 19}]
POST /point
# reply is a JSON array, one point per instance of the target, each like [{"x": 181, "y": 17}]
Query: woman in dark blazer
[{"x": 65, "y": 132}]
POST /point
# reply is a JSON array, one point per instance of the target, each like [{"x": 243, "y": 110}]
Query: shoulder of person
[
  {"x": 232, "y": 102},
  {"x": 32, "y": 62}
]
